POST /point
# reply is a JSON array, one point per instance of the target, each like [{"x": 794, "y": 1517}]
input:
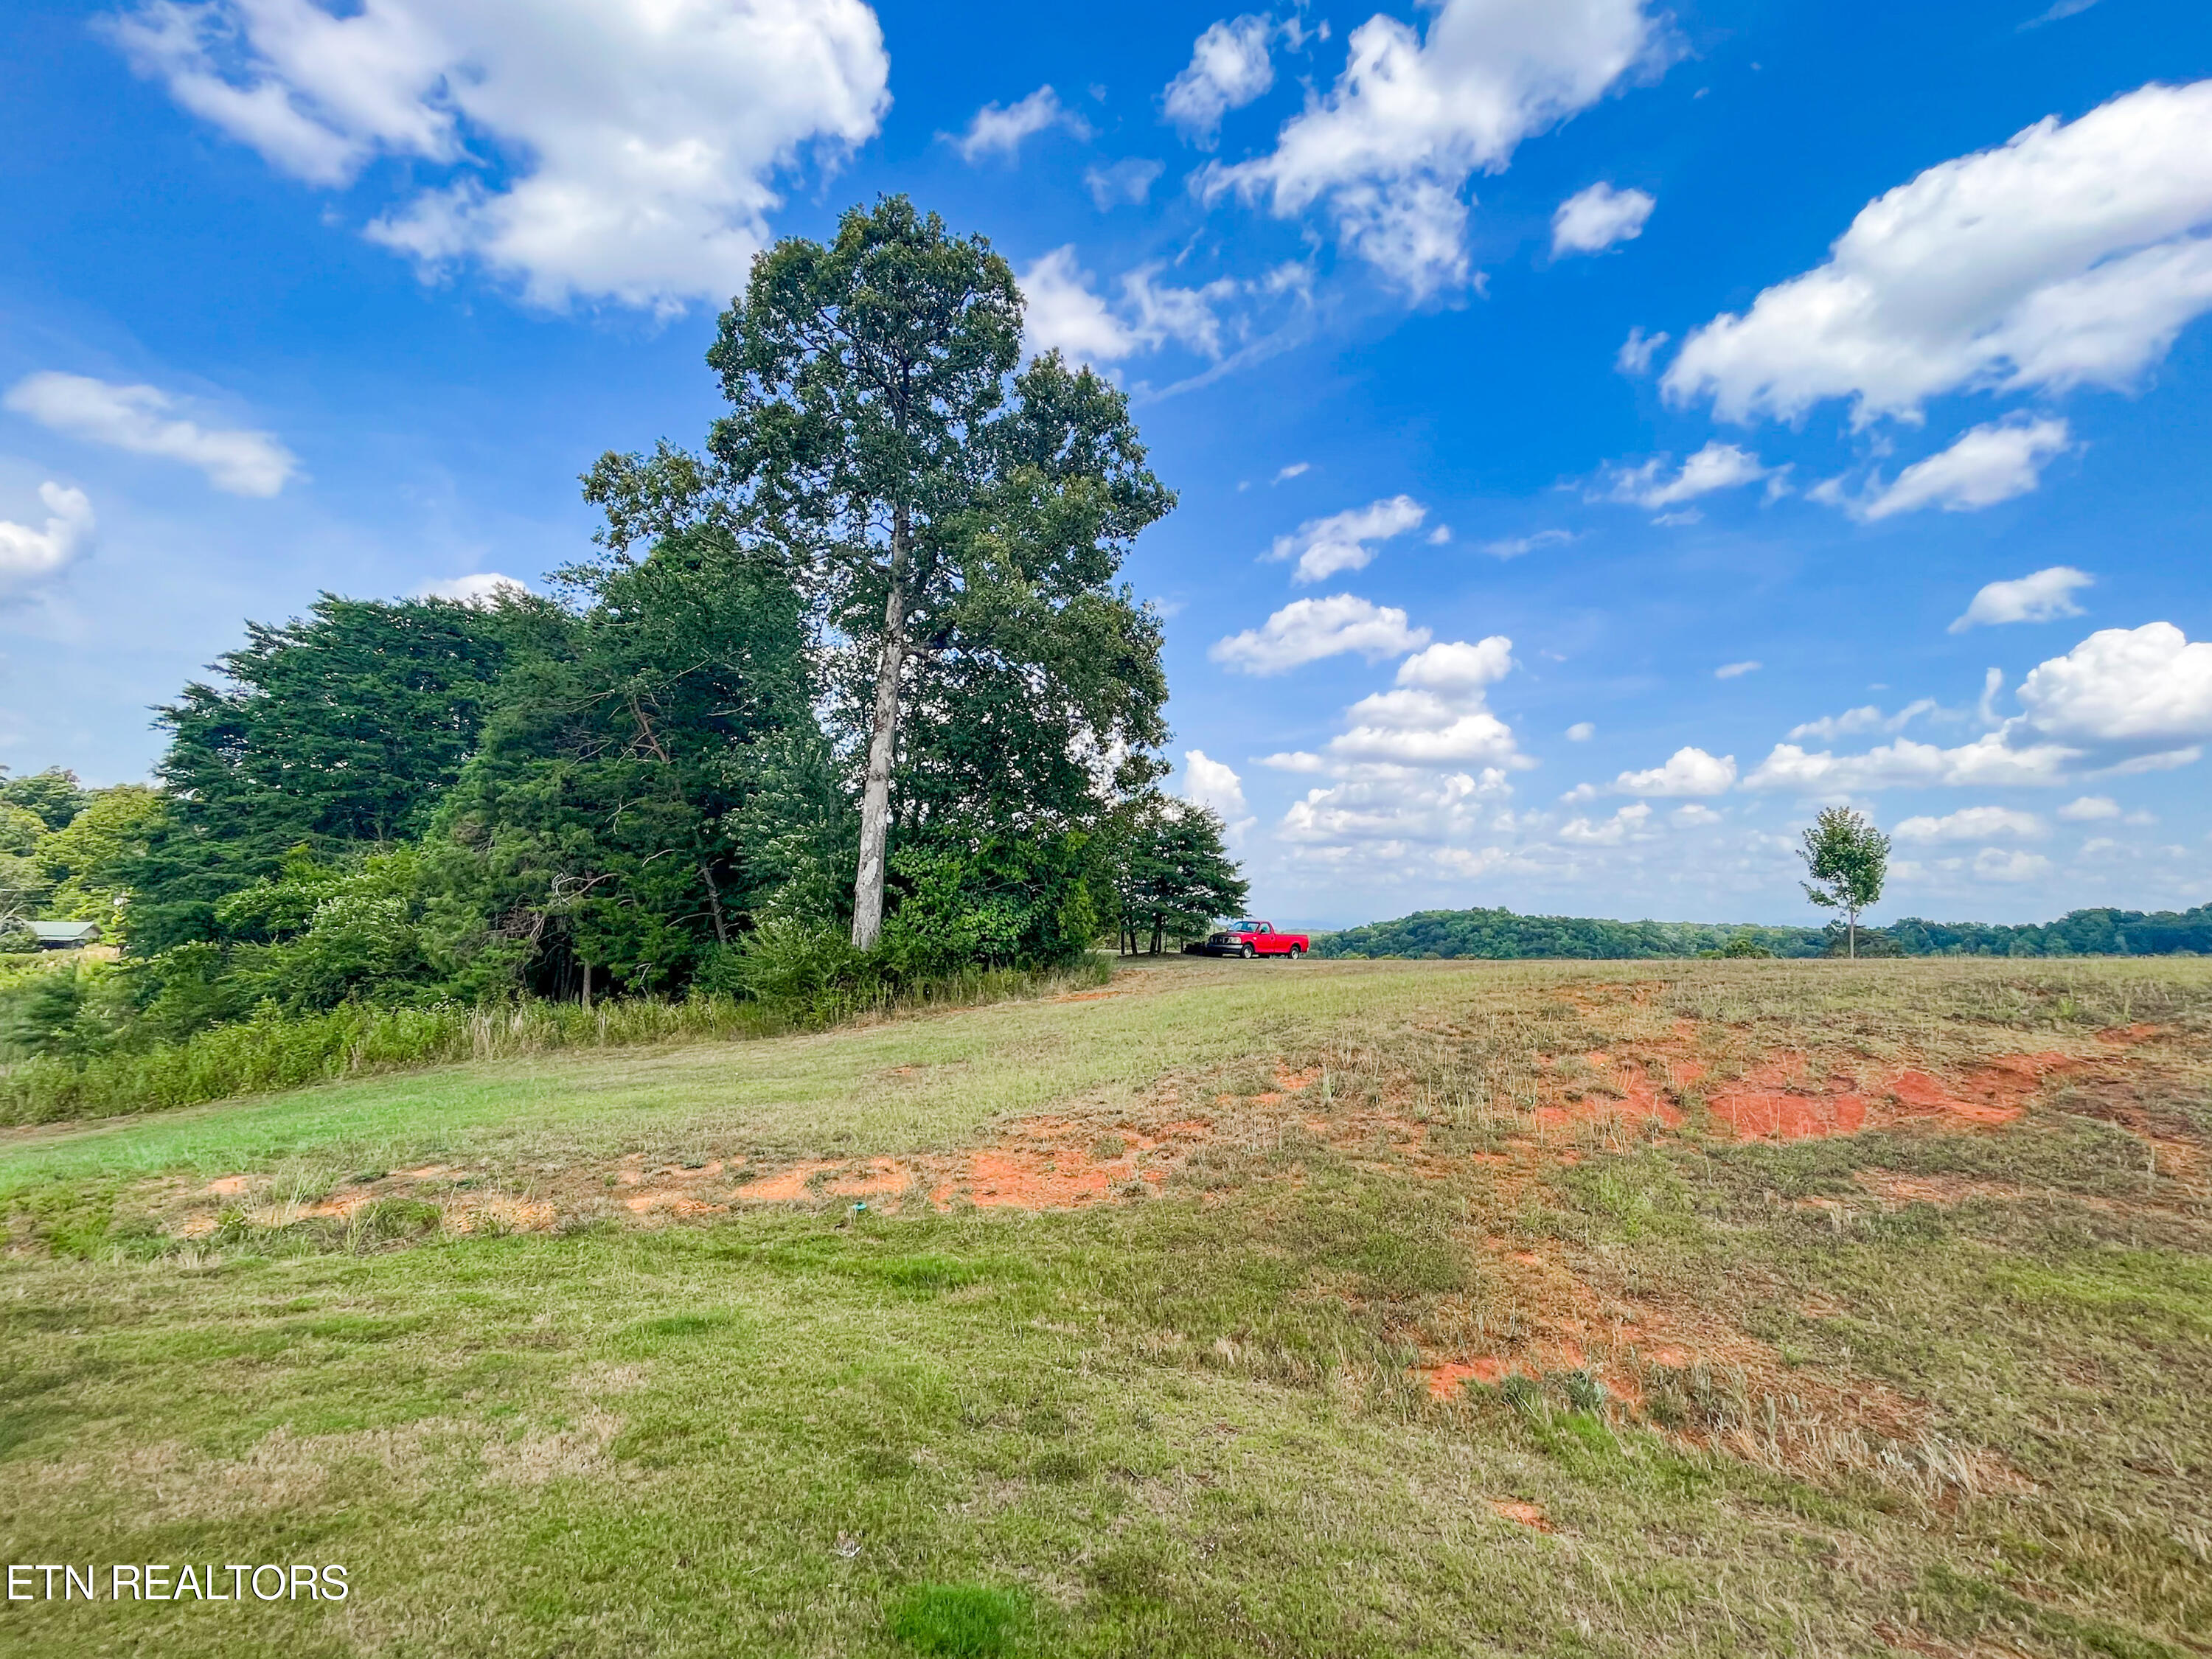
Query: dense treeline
[
  {"x": 848, "y": 703},
  {"x": 1503, "y": 935}
]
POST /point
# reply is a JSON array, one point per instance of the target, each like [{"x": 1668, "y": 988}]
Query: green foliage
[
  {"x": 53, "y": 796},
  {"x": 340, "y": 729},
  {"x": 87, "y": 864},
  {"x": 1501, "y": 934},
  {"x": 1849, "y": 860},
  {"x": 1171, "y": 874}
]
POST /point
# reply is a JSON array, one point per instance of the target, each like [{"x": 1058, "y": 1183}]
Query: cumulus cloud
[
  {"x": 28, "y": 554},
  {"x": 1969, "y": 823},
  {"x": 1581, "y": 731},
  {"x": 137, "y": 418},
  {"x": 1515, "y": 547},
  {"x": 617, "y": 150},
  {"x": 2146, "y": 688},
  {"x": 1229, "y": 66},
  {"x": 1716, "y": 466},
  {"x": 1994, "y": 864},
  {"x": 1065, "y": 313},
  {"x": 1345, "y": 541},
  {"x": 1001, "y": 130},
  {"x": 1127, "y": 182},
  {"x": 1692, "y": 816},
  {"x": 1688, "y": 771},
  {"x": 2045, "y": 595},
  {"x": 2090, "y": 809},
  {"x": 480, "y": 588},
  {"x": 1629, "y": 822},
  {"x": 2072, "y": 255},
  {"x": 1989, "y": 465},
  {"x": 1389, "y": 148},
  {"x": 1593, "y": 219},
  {"x": 1638, "y": 350},
  {"x": 1385, "y": 814},
  {"x": 1215, "y": 786},
  {"x": 1989, "y": 762},
  {"x": 1437, "y": 715},
  {"x": 1853, "y": 721},
  {"x": 1307, "y": 630}
]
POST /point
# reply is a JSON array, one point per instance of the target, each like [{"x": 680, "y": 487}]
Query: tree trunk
[
  {"x": 1852, "y": 932},
  {"x": 587, "y": 987},
  {"x": 883, "y": 743}
]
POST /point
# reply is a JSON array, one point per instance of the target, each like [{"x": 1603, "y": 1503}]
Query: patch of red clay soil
[
  {"x": 1052, "y": 1164},
  {"x": 2129, "y": 1036},
  {"x": 787, "y": 1186},
  {"x": 229, "y": 1186},
  {"x": 1625, "y": 1093},
  {"x": 1521, "y": 1513},
  {"x": 1778, "y": 1101}
]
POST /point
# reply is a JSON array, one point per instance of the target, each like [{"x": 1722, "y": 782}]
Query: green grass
[{"x": 1188, "y": 1425}]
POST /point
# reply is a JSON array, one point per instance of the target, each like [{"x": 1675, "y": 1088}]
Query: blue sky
[{"x": 1476, "y": 594}]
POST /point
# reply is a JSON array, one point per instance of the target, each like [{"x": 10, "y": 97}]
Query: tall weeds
[{"x": 273, "y": 1051}]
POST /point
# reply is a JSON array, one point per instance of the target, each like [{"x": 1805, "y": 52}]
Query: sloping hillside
[{"x": 1341, "y": 1308}]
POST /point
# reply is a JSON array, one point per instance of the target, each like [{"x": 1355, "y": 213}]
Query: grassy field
[{"x": 1327, "y": 1308}]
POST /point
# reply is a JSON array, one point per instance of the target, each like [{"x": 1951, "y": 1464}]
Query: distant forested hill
[{"x": 1503, "y": 935}]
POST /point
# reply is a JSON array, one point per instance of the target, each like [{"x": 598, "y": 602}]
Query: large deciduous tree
[{"x": 958, "y": 520}]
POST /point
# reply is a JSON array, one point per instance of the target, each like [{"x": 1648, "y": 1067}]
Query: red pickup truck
[{"x": 1251, "y": 938}]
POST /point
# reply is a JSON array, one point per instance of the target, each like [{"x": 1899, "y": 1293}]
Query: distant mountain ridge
[{"x": 1505, "y": 935}]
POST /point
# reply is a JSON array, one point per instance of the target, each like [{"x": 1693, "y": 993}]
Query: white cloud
[
  {"x": 1581, "y": 731},
  {"x": 2145, "y": 688},
  {"x": 1306, "y": 631},
  {"x": 1343, "y": 540},
  {"x": 2090, "y": 809},
  {"x": 1989, "y": 465},
  {"x": 135, "y": 418},
  {"x": 1437, "y": 715},
  {"x": 2061, "y": 9},
  {"x": 1736, "y": 671},
  {"x": 1692, "y": 816},
  {"x": 1515, "y": 547},
  {"x": 1687, "y": 772},
  {"x": 1062, "y": 311},
  {"x": 26, "y": 555},
  {"x": 2045, "y": 595},
  {"x": 1716, "y": 466},
  {"x": 1593, "y": 219},
  {"x": 1628, "y": 823},
  {"x": 1439, "y": 537},
  {"x": 2072, "y": 255},
  {"x": 1987, "y": 761},
  {"x": 1852, "y": 721},
  {"x": 480, "y": 588},
  {"x": 1638, "y": 350},
  {"x": 1969, "y": 823},
  {"x": 1384, "y": 813},
  {"x": 1000, "y": 130},
  {"x": 635, "y": 142},
  {"x": 1295, "y": 470},
  {"x": 1061, "y": 314},
  {"x": 1993, "y": 863},
  {"x": 1214, "y": 785},
  {"x": 1230, "y": 67},
  {"x": 1127, "y": 182},
  {"x": 1391, "y": 146}
]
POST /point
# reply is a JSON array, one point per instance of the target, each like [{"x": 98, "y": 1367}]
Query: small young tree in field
[{"x": 1848, "y": 859}]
